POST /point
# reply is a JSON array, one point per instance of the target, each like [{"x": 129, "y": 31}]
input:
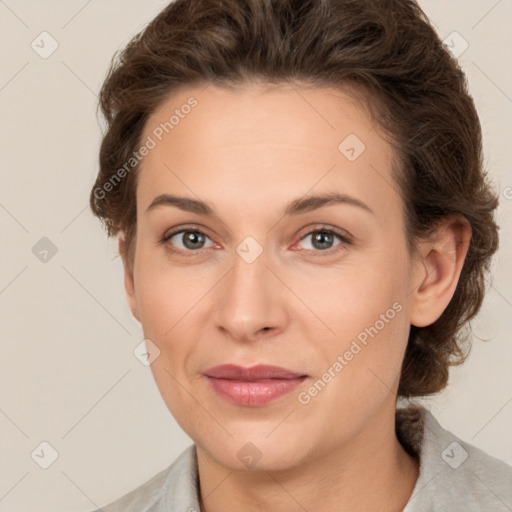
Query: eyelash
[{"x": 344, "y": 240}]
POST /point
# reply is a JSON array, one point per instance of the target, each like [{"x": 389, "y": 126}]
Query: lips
[{"x": 255, "y": 386}]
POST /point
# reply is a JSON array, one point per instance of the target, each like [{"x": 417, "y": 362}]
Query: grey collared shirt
[{"x": 454, "y": 475}]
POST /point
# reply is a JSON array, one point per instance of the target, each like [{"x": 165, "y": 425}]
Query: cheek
[
  {"x": 174, "y": 304},
  {"x": 167, "y": 301},
  {"x": 360, "y": 314},
  {"x": 344, "y": 299},
  {"x": 157, "y": 303},
  {"x": 165, "y": 293}
]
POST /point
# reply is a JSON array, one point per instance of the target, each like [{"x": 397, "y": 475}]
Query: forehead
[
  {"x": 257, "y": 113},
  {"x": 256, "y": 140}
]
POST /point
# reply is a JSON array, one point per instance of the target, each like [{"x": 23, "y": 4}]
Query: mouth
[
  {"x": 254, "y": 373},
  {"x": 255, "y": 386}
]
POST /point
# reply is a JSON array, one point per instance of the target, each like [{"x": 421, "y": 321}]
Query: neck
[{"x": 370, "y": 472}]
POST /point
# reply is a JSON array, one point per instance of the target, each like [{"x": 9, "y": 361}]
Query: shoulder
[
  {"x": 165, "y": 491},
  {"x": 454, "y": 474}
]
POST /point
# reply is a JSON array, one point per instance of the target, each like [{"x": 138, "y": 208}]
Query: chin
[{"x": 248, "y": 453}]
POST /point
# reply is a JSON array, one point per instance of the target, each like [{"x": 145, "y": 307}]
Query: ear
[
  {"x": 129, "y": 284},
  {"x": 437, "y": 269}
]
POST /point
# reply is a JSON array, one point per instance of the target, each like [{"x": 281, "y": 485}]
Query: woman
[{"x": 305, "y": 226}]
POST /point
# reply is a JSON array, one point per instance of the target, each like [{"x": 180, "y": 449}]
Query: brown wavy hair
[{"x": 389, "y": 53}]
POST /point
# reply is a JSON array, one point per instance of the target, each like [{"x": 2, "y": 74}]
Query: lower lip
[{"x": 253, "y": 393}]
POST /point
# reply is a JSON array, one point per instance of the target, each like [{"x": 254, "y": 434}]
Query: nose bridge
[
  {"x": 249, "y": 268},
  {"x": 250, "y": 299},
  {"x": 248, "y": 284}
]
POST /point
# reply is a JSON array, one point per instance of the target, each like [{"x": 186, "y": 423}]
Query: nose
[{"x": 251, "y": 301}]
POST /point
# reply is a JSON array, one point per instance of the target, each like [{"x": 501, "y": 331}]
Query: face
[{"x": 267, "y": 276}]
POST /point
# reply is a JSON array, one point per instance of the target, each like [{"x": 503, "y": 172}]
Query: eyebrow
[{"x": 296, "y": 207}]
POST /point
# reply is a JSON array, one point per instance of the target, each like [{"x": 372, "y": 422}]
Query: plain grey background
[{"x": 69, "y": 375}]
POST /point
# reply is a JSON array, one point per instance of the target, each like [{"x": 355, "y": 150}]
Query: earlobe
[
  {"x": 129, "y": 284},
  {"x": 438, "y": 269}
]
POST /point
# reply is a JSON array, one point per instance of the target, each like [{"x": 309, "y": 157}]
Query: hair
[{"x": 388, "y": 52}]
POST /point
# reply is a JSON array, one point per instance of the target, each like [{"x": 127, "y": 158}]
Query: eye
[
  {"x": 322, "y": 239},
  {"x": 192, "y": 240},
  {"x": 187, "y": 240}
]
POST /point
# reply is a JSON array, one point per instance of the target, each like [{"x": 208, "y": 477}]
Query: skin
[{"x": 249, "y": 152}]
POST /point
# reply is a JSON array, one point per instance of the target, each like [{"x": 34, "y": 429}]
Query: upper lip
[{"x": 258, "y": 372}]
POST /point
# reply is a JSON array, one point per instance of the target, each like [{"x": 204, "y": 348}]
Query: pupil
[
  {"x": 322, "y": 239},
  {"x": 192, "y": 238}
]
